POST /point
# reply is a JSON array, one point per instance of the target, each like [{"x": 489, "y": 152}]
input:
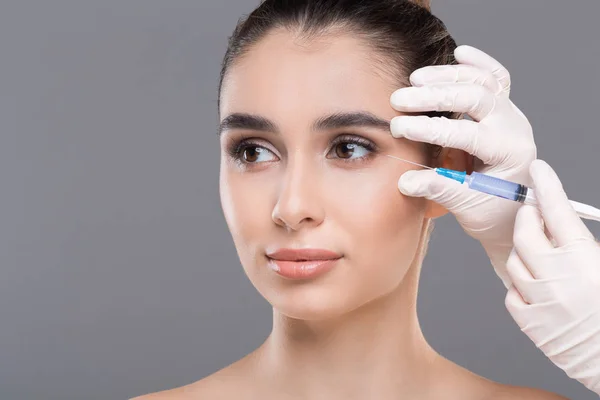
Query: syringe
[{"x": 505, "y": 189}]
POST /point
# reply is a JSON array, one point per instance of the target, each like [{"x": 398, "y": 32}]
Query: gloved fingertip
[
  {"x": 460, "y": 48},
  {"x": 410, "y": 127},
  {"x": 463, "y": 50},
  {"x": 408, "y": 184},
  {"x": 537, "y": 164},
  {"x": 418, "y": 77},
  {"x": 399, "y": 126},
  {"x": 541, "y": 169}
]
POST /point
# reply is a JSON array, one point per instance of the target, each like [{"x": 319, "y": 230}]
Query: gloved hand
[
  {"x": 500, "y": 137},
  {"x": 555, "y": 297}
]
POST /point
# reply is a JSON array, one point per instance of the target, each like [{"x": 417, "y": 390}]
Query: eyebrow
[{"x": 332, "y": 121}]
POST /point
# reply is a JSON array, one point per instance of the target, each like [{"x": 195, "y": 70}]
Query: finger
[
  {"x": 525, "y": 315},
  {"x": 516, "y": 306},
  {"x": 474, "y": 100},
  {"x": 562, "y": 220},
  {"x": 428, "y": 184},
  {"x": 529, "y": 240},
  {"x": 471, "y": 56},
  {"x": 548, "y": 234},
  {"x": 459, "y": 134},
  {"x": 519, "y": 275},
  {"x": 436, "y": 74}
]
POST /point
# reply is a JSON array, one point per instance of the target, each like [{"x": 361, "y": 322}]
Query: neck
[{"x": 376, "y": 351}]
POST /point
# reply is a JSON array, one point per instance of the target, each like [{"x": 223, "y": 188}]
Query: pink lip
[{"x": 302, "y": 263}]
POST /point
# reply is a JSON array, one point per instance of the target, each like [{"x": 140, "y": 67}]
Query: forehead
[{"x": 284, "y": 75}]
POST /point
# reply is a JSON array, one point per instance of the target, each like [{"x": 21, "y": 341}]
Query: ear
[{"x": 451, "y": 159}]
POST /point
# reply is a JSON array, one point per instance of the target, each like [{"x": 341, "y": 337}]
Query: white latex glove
[
  {"x": 500, "y": 136},
  {"x": 555, "y": 297}
]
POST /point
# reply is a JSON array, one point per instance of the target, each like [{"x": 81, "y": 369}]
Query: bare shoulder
[
  {"x": 219, "y": 387},
  {"x": 506, "y": 392},
  {"x": 478, "y": 387},
  {"x": 180, "y": 393},
  {"x": 223, "y": 384}
]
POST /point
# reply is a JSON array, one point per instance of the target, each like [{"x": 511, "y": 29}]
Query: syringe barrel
[{"x": 497, "y": 187}]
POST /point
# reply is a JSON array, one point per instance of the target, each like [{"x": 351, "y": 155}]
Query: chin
[{"x": 313, "y": 303}]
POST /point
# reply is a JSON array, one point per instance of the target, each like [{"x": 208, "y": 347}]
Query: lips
[
  {"x": 302, "y": 263},
  {"x": 303, "y": 255}
]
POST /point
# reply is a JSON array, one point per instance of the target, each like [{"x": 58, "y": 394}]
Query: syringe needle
[{"x": 410, "y": 162}]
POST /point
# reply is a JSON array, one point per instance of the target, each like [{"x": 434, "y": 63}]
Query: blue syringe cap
[{"x": 452, "y": 174}]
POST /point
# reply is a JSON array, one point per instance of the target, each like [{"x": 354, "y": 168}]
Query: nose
[{"x": 299, "y": 203}]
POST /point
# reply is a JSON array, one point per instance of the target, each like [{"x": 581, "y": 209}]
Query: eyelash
[
  {"x": 237, "y": 148},
  {"x": 353, "y": 139}
]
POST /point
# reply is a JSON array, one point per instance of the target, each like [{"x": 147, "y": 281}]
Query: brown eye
[
  {"x": 345, "y": 150},
  {"x": 351, "y": 148},
  {"x": 251, "y": 154},
  {"x": 254, "y": 154}
]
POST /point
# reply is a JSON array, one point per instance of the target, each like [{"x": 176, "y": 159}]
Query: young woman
[{"x": 312, "y": 204}]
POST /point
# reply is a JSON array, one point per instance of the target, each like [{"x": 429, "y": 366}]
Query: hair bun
[{"x": 423, "y": 3}]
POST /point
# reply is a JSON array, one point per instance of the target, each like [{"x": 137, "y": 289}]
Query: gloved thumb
[
  {"x": 427, "y": 183},
  {"x": 410, "y": 184}
]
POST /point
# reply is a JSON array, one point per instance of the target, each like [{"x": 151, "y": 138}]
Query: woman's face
[{"x": 294, "y": 178}]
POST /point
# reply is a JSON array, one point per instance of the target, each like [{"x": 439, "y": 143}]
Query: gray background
[{"x": 118, "y": 274}]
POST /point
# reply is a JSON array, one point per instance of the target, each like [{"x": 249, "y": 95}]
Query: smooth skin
[{"x": 352, "y": 333}]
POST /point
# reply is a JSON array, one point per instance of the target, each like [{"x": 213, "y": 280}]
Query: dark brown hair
[
  {"x": 403, "y": 34},
  {"x": 423, "y": 3}
]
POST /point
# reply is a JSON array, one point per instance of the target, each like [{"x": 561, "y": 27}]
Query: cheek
[
  {"x": 382, "y": 225},
  {"x": 246, "y": 203}
]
